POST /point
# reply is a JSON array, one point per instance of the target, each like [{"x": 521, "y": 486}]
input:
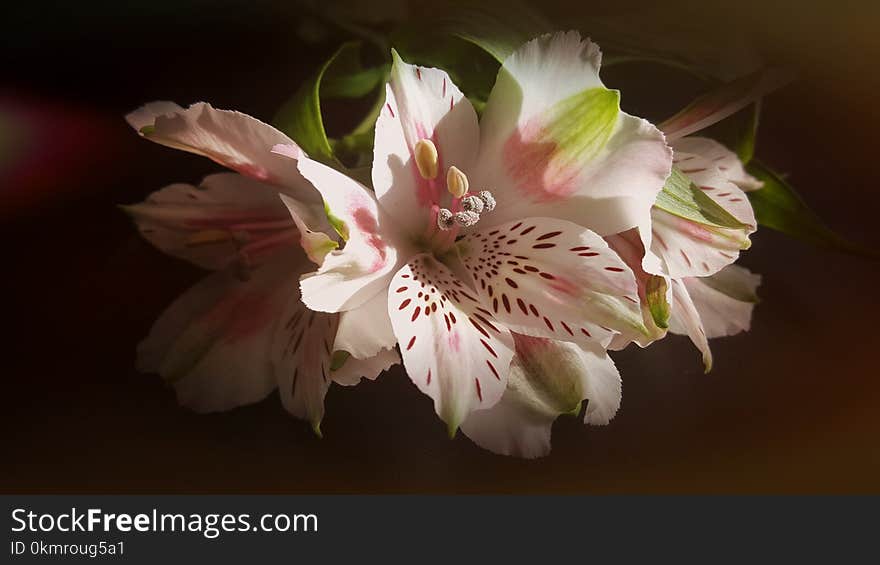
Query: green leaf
[
  {"x": 342, "y": 76},
  {"x": 777, "y": 206},
  {"x": 681, "y": 197},
  {"x": 498, "y": 27}
]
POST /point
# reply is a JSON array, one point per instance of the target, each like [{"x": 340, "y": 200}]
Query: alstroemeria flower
[
  {"x": 707, "y": 296},
  {"x": 478, "y": 232},
  {"x": 243, "y": 331}
]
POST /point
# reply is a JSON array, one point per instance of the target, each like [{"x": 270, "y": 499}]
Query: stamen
[
  {"x": 456, "y": 182},
  {"x": 466, "y": 219},
  {"x": 472, "y": 204},
  {"x": 444, "y": 219},
  {"x": 425, "y": 154},
  {"x": 207, "y": 237},
  {"x": 488, "y": 200}
]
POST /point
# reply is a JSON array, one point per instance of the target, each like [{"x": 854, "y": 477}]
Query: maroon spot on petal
[
  {"x": 705, "y": 266},
  {"x": 516, "y": 226},
  {"x": 402, "y": 289},
  {"x": 511, "y": 282},
  {"x": 416, "y": 313},
  {"x": 736, "y": 200},
  {"x": 492, "y": 368},
  {"x": 506, "y": 302},
  {"x": 614, "y": 269},
  {"x": 686, "y": 258},
  {"x": 581, "y": 248},
  {"x": 428, "y": 380},
  {"x": 479, "y": 390},
  {"x": 533, "y": 309},
  {"x": 531, "y": 269},
  {"x": 527, "y": 230},
  {"x": 390, "y": 111},
  {"x": 404, "y": 304},
  {"x": 548, "y": 235},
  {"x": 547, "y": 276},
  {"x": 588, "y": 254},
  {"x": 519, "y": 271},
  {"x": 511, "y": 241},
  {"x": 444, "y": 88},
  {"x": 543, "y": 245},
  {"x": 690, "y": 171},
  {"x": 495, "y": 305},
  {"x": 725, "y": 194},
  {"x": 448, "y": 325},
  {"x": 452, "y": 317},
  {"x": 549, "y": 324},
  {"x": 487, "y": 322},
  {"x": 586, "y": 333},
  {"x": 489, "y": 348},
  {"x": 707, "y": 188},
  {"x": 479, "y": 328},
  {"x": 568, "y": 329},
  {"x": 418, "y": 73},
  {"x": 412, "y": 342},
  {"x": 631, "y": 299},
  {"x": 522, "y": 306}
]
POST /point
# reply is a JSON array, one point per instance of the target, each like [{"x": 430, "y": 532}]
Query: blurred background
[{"x": 790, "y": 407}]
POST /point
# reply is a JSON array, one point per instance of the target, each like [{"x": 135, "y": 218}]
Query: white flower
[
  {"x": 563, "y": 166},
  {"x": 243, "y": 330}
]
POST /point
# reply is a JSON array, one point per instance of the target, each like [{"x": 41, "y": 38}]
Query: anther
[
  {"x": 466, "y": 219},
  {"x": 444, "y": 219},
  {"x": 456, "y": 182},
  {"x": 425, "y": 154},
  {"x": 488, "y": 200},
  {"x": 472, "y": 204}
]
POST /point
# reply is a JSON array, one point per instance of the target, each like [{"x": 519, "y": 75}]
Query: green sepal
[
  {"x": 338, "y": 359},
  {"x": 655, "y": 295}
]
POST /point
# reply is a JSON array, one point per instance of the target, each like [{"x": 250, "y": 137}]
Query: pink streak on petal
[{"x": 532, "y": 160}]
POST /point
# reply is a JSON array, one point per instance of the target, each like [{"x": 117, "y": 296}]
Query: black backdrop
[{"x": 790, "y": 407}]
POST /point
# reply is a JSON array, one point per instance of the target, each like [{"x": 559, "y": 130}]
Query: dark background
[{"x": 790, "y": 406}]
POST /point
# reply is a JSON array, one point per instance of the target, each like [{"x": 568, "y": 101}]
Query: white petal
[
  {"x": 349, "y": 277},
  {"x": 420, "y": 103},
  {"x": 724, "y": 101},
  {"x": 723, "y": 158},
  {"x": 555, "y": 144},
  {"x": 301, "y": 356},
  {"x": 233, "y": 139},
  {"x": 552, "y": 278},
  {"x": 366, "y": 330},
  {"x": 688, "y": 248},
  {"x": 685, "y": 320},
  {"x": 213, "y": 343},
  {"x": 453, "y": 349},
  {"x": 209, "y": 224},
  {"x": 547, "y": 378},
  {"x": 315, "y": 242},
  {"x": 353, "y": 370},
  {"x": 725, "y": 301}
]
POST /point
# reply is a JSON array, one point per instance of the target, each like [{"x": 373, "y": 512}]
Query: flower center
[{"x": 465, "y": 208}]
